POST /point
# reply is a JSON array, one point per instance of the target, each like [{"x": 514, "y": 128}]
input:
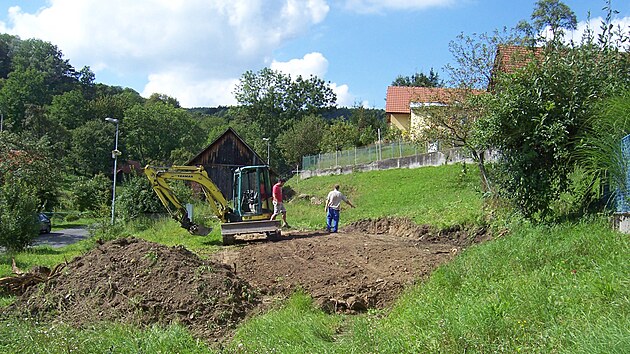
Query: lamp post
[
  {"x": 267, "y": 140},
  {"x": 115, "y": 154}
]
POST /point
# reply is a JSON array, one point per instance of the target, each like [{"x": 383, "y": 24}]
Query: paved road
[{"x": 61, "y": 238}]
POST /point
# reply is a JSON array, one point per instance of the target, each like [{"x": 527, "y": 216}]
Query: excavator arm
[{"x": 159, "y": 176}]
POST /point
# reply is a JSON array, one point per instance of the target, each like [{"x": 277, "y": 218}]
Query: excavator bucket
[
  {"x": 200, "y": 230},
  {"x": 231, "y": 229}
]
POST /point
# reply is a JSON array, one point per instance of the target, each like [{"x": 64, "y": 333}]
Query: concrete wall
[
  {"x": 621, "y": 222},
  {"x": 432, "y": 159}
]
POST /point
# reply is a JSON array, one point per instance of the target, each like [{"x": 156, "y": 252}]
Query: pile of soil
[
  {"x": 134, "y": 281},
  {"x": 366, "y": 265}
]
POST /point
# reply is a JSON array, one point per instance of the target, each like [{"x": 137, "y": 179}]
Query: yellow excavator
[{"x": 248, "y": 213}]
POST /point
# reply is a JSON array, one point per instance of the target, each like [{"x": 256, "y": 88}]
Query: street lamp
[
  {"x": 115, "y": 154},
  {"x": 267, "y": 140}
]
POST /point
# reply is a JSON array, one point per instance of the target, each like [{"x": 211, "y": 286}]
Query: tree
[
  {"x": 70, "y": 109},
  {"x": 91, "y": 148},
  {"x": 368, "y": 123},
  {"x": 153, "y": 131},
  {"x": 45, "y": 58},
  {"x": 159, "y": 97},
  {"x": 456, "y": 123},
  {"x": 339, "y": 135},
  {"x": 303, "y": 138},
  {"x": 553, "y": 14},
  {"x": 8, "y": 43},
  {"x": 18, "y": 214},
  {"x": 22, "y": 88},
  {"x": 475, "y": 58},
  {"x": 274, "y": 101},
  {"x": 419, "y": 80},
  {"x": 92, "y": 194},
  {"x": 31, "y": 162}
]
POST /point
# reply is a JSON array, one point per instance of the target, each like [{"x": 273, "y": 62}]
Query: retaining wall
[{"x": 450, "y": 156}]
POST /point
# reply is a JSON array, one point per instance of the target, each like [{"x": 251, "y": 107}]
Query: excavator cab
[{"x": 252, "y": 197}]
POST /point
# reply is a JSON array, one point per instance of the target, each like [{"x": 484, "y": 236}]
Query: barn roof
[{"x": 219, "y": 138}]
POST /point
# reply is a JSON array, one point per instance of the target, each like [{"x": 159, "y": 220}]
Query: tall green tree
[
  {"x": 339, "y": 135},
  {"x": 91, "y": 148},
  {"x": 474, "y": 57},
  {"x": 70, "y": 109},
  {"x": 18, "y": 214},
  {"x": 153, "y": 131},
  {"x": 552, "y": 14},
  {"x": 31, "y": 161},
  {"x": 456, "y": 124},
  {"x": 21, "y": 89},
  {"x": 274, "y": 101},
  {"x": 303, "y": 138},
  {"x": 419, "y": 80},
  {"x": 47, "y": 59},
  {"x": 368, "y": 122}
]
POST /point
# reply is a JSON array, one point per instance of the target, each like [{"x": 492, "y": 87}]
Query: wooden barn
[{"x": 224, "y": 155}]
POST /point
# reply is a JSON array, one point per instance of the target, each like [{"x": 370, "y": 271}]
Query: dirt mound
[
  {"x": 403, "y": 227},
  {"x": 394, "y": 226},
  {"x": 367, "y": 265},
  {"x": 135, "y": 281}
]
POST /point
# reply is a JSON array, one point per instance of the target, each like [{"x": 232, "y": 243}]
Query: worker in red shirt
[{"x": 278, "y": 206}]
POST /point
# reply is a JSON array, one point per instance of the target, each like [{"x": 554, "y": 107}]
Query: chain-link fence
[{"x": 363, "y": 155}]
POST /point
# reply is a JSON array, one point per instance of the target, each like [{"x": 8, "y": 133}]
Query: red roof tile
[
  {"x": 511, "y": 57},
  {"x": 399, "y": 98}
]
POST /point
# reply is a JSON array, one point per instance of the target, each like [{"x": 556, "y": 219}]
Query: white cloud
[
  {"x": 317, "y": 65},
  {"x": 217, "y": 40},
  {"x": 594, "y": 25},
  {"x": 190, "y": 90},
  {"x": 344, "y": 97},
  {"x": 375, "y": 6},
  {"x": 311, "y": 64}
]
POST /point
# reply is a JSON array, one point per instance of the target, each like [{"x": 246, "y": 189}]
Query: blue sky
[{"x": 196, "y": 50}]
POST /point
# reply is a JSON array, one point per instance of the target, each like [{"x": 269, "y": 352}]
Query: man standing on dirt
[
  {"x": 333, "y": 206},
  {"x": 278, "y": 206}
]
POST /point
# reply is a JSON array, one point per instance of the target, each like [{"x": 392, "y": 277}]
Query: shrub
[
  {"x": 91, "y": 194},
  {"x": 18, "y": 215},
  {"x": 136, "y": 198}
]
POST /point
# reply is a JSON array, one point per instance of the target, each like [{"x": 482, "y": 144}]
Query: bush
[
  {"x": 91, "y": 194},
  {"x": 137, "y": 198},
  {"x": 18, "y": 215}
]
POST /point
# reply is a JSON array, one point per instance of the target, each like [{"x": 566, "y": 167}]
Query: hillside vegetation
[{"x": 561, "y": 288}]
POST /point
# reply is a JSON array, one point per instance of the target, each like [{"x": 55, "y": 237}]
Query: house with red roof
[{"x": 403, "y": 106}]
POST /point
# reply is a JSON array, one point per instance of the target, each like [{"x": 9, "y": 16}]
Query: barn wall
[{"x": 224, "y": 156}]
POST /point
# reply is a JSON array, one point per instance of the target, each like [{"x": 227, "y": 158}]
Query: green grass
[
  {"x": 538, "y": 289},
  {"x": 21, "y": 336},
  {"x": 563, "y": 289},
  {"x": 440, "y": 196}
]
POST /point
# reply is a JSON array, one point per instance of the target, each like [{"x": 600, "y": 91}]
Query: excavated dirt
[{"x": 366, "y": 265}]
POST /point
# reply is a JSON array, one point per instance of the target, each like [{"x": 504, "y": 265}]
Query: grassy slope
[{"x": 539, "y": 289}]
